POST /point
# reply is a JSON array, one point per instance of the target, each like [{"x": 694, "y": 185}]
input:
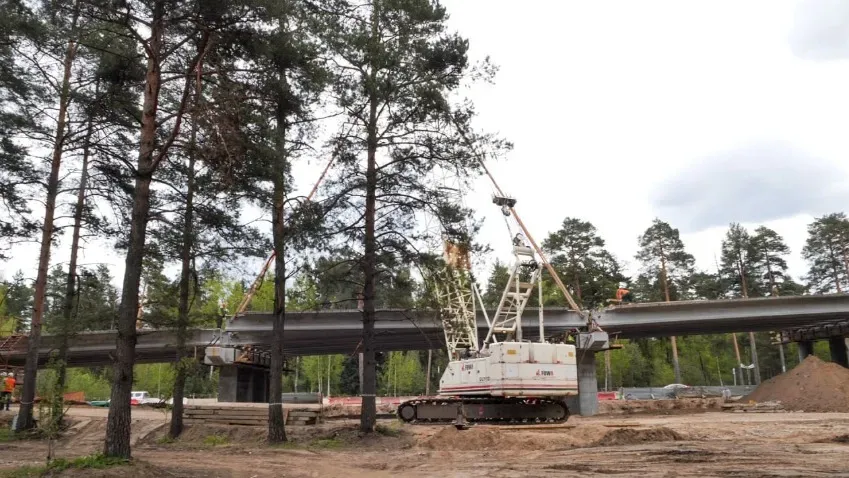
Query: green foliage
[
  {"x": 667, "y": 268},
  {"x": 96, "y": 302},
  {"x": 495, "y": 284},
  {"x": 315, "y": 370},
  {"x": 215, "y": 440},
  {"x": 577, "y": 253},
  {"x": 16, "y": 310},
  {"x": 827, "y": 253},
  {"x": 327, "y": 443},
  {"x": 402, "y": 374}
]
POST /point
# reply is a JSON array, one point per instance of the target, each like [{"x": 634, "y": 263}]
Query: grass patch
[
  {"x": 326, "y": 443},
  {"x": 166, "y": 440},
  {"x": 98, "y": 461},
  {"x": 287, "y": 445},
  {"x": 7, "y": 434},
  {"x": 388, "y": 431},
  {"x": 215, "y": 440}
]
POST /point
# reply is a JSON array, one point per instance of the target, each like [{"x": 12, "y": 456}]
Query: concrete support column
[
  {"x": 837, "y": 347},
  {"x": 587, "y": 384},
  {"x": 238, "y": 383},
  {"x": 227, "y": 383},
  {"x": 805, "y": 348}
]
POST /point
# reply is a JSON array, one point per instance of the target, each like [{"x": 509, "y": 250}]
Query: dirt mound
[
  {"x": 630, "y": 436},
  {"x": 138, "y": 468},
  {"x": 812, "y": 386},
  {"x": 205, "y": 434},
  {"x": 669, "y": 407},
  {"x": 475, "y": 438}
]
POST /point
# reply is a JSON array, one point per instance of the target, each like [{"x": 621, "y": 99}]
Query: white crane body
[{"x": 508, "y": 379}]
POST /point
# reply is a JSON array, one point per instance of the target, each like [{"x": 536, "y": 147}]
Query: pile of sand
[
  {"x": 812, "y": 386},
  {"x": 631, "y": 436}
]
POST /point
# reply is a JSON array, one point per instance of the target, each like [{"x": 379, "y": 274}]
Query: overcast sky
[{"x": 699, "y": 113}]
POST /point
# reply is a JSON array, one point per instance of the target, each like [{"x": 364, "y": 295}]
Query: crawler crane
[{"x": 508, "y": 379}]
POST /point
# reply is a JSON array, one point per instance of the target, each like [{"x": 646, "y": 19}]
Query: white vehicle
[{"x": 142, "y": 398}]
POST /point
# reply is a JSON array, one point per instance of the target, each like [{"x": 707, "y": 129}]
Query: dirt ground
[{"x": 709, "y": 443}]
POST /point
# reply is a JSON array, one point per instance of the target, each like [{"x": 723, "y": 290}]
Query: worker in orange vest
[
  {"x": 623, "y": 295},
  {"x": 8, "y": 388}
]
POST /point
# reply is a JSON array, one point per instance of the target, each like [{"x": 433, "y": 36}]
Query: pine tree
[
  {"x": 495, "y": 285},
  {"x": 166, "y": 48},
  {"x": 827, "y": 253},
  {"x": 742, "y": 262},
  {"x": 578, "y": 254},
  {"x": 18, "y": 103},
  {"x": 772, "y": 251},
  {"x": 18, "y": 301},
  {"x": 663, "y": 257},
  {"x": 397, "y": 66}
]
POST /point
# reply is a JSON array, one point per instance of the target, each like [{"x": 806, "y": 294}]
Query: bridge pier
[
  {"x": 243, "y": 383},
  {"x": 587, "y": 384},
  {"x": 586, "y": 345},
  {"x": 806, "y": 348},
  {"x": 837, "y": 347}
]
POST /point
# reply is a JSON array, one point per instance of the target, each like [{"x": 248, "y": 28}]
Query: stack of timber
[
  {"x": 245, "y": 415},
  {"x": 302, "y": 417},
  {"x": 754, "y": 407}
]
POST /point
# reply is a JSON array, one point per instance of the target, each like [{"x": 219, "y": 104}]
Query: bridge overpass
[{"x": 340, "y": 331}]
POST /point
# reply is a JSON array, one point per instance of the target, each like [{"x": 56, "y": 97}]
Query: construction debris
[
  {"x": 754, "y": 407},
  {"x": 812, "y": 386},
  {"x": 629, "y": 436}
]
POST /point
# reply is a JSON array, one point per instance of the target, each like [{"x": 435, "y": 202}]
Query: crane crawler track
[{"x": 484, "y": 410}]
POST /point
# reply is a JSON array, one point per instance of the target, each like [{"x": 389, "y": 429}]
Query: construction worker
[
  {"x": 623, "y": 295},
  {"x": 8, "y": 388}
]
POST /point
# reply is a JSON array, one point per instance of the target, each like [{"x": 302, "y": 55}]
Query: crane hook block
[{"x": 504, "y": 201}]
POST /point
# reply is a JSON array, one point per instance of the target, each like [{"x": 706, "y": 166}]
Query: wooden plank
[
  {"x": 238, "y": 422},
  {"x": 240, "y": 413},
  {"x": 198, "y": 413},
  {"x": 298, "y": 413}
]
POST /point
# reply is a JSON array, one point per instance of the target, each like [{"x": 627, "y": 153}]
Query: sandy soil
[{"x": 700, "y": 444}]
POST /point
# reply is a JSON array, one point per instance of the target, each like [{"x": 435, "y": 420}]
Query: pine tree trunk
[
  {"x": 276, "y": 419},
  {"x": 25, "y": 418},
  {"x": 676, "y": 365},
  {"x": 368, "y": 413},
  {"x": 118, "y": 422},
  {"x": 70, "y": 289},
  {"x": 752, "y": 345},
  {"x": 176, "y": 427}
]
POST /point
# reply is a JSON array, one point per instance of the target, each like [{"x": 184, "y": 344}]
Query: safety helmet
[{"x": 622, "y": 285}]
